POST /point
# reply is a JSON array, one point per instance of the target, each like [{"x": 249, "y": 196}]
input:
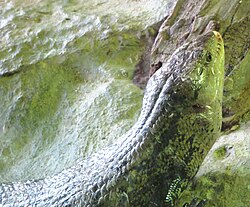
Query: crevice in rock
[{"x": 142, "y": 68}]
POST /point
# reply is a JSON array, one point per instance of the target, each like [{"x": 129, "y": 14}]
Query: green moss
[
  {"x": 42, "y": 87},
  {"x": 220, "y": 153},
  {"x": 236, "y": 99},
  {"x": 41, "y": 100},
  {"x": 121, "y": 51},
  {"x": 219, "y": 189}
]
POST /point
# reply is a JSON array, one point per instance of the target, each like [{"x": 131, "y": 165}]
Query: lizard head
[
  {"x": 194, "y": 75},
  {"x": 207, "y": 71}
]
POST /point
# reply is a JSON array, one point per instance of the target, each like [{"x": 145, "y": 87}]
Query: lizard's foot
[{"x": 194, "y": 203}]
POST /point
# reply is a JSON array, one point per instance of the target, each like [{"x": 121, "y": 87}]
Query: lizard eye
[{"x": 208, "y": 57}]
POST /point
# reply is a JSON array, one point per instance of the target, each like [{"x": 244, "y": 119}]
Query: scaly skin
[{"x": 180, "y": 120}]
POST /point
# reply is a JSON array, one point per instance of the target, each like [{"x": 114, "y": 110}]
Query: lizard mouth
[
  {"x": 219, "y": 41},
  {"x": 218, "y": 36}
]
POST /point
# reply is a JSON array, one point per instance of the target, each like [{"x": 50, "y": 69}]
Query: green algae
[
  {"x": 220, "y": 153},
  {"x": 41, "y": 89},
  {"x": 236, "y": 101},
  {"x": 69, "y": 106},
  {"x": 219, "y": 189},
  {"x": 237, "y": 97},
  {"x": 34, "y": 31}
]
